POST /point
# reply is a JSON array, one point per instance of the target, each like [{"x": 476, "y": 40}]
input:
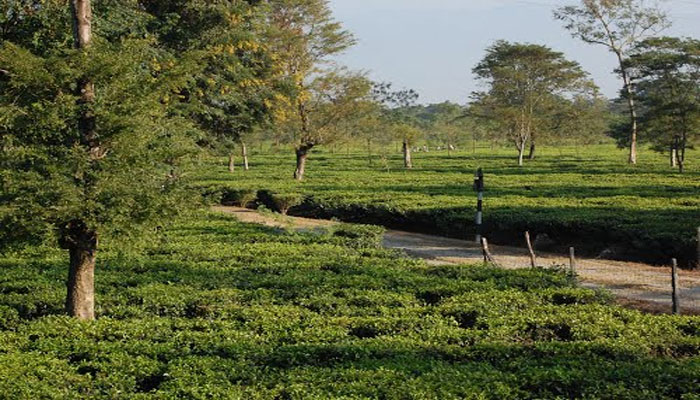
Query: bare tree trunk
[
  {"x": 674, "y": 156},
  {"x": 80, "y": 241},
  {"x": 369, "y": 151},
  {"x": 407, "y": 162},
  {"x": 521, "y": 154},
  {"x": 231, "y": 163},
  {"x": 632, "y": 111},
  {"x": 244, "y": 150},
  {"x": 302, "y": 155},
  {"x": 80, "y": 300},
  {"x": 679, "y": 146},
  {"x": 533, "y": 147}
]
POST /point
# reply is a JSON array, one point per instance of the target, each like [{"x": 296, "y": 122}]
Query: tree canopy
[{"x": 527, "y": 85}]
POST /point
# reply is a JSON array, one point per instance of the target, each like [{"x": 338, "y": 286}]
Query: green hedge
[{"x": 220, "y": 309}]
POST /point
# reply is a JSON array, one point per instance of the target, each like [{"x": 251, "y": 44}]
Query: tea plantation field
[
  {"x": 589, "y": 198},
  {"x": 221, "y": 310}
]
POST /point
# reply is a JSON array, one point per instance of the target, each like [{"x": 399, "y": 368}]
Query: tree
[
  {"x": 397, "y": 109},
  {"x": 527, "y": 83},
  {"x": 327, "y": 114},
  {"x": 668, "y": 88},
  {"x": 446, "y": 122},
  {"x": 90, "y": 150},
  {"x": 230, "y": 96},
  {"x": 618, "y": 25},
  {"x": 304, "y": 36}
]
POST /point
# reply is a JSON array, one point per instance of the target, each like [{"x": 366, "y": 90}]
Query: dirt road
[{"x": 639, "y": 285}]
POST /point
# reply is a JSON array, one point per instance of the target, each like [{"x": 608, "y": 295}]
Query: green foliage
[
  {"x": 359, "y": 236},
  {"x": 668, "y": 88},
  {"x": 44, "y": 162},
  {"x": 531, "y": 91},
  {"x": 220, "y": 309},
  {"x": 280, "y": 202},
  {"x": 577, "y": 196}
]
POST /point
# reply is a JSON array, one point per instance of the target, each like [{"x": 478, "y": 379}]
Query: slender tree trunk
[
  {"x": 407, "y": 162},
  {"x": 82, "y": 34},
  {"x": 531, "y": 156},
  {"x": 302, "y": 153},
  {"x": 674, "y": 156},
  {"x": 369, "y": 151},
  {"x": 244, "y": 151},
  {"x": 231, "y": 163},
  {"x": 632, "y": 112},
  {"x": 680, "y": 153},
  {"x": 521, "y": 153},
  {"x": 80, "y": 241},
  {"x": 80, "y": 301}
]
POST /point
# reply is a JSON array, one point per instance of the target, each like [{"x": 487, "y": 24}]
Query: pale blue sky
[{"x": 432, "y": 45}]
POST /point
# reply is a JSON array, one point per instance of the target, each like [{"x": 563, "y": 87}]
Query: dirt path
[{"x": 635, "y": 284}]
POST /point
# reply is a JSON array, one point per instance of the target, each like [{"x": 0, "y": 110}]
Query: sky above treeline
[{"x": 432, "y": 45}]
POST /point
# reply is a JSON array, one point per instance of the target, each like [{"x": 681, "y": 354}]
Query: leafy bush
[
  {"x": 280, "y": 202},
  {"x": 220, "y": 309},
  {"x": 359, "y": 236},
  {"x": 587, "y": 198}
]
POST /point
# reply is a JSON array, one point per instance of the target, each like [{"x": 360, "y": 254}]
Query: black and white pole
[
  {"x": 479, "y": 187},
  {"x": 675, "y": 283}
]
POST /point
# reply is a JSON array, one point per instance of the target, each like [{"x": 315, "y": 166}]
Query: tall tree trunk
[
  {"x": 531, "y": 156},
  {"x": 521, "y": 153},
  {"x": 80, "y": 301},
  {"x": 302, "y": 153},
  {"x": 407, "y": 162},
  {"x": 674, "y": 156},
  {"x": 244, "y": 151},
  {"x": 80, "y": 241},
  {"x": 369, "y": 151},
  {"x": 679, "y": 145},
  {"x": 231, "y": 163},
  {"x": 632, "y": 111}
]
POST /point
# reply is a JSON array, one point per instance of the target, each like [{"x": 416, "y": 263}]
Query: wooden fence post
[
  {"x": 488, "y": 258},
  {"x": 572, "y": 260},
  {"x": 674, "y": 285},
  {"x": 533, "y": 257}
]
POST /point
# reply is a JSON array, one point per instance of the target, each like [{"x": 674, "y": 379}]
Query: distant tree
[
  {"x": 668, "y": 88},
  {"x": 526, "y": 85},
  {"x": 326, "y": 114},
  {"x": 398, "y": 106},
  {"x": 304, "y": 37},
  {"x": 447, "y": 124},
  {"x": 89, "y": 147},
  {"x": 618, "y": 25},
  {"x": 582, "y": 120}
]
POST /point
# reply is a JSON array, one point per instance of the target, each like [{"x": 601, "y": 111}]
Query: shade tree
[
  {"x": 90, "y": 149},
  {"x": 668, "y": 89},
  {"x": 525, "y": 86},
  {"x": 618, "y": 25}
]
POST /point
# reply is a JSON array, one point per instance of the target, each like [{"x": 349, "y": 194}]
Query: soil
[{"x": 635, "y": 285}]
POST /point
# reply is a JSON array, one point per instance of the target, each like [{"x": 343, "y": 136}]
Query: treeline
[{"x": 104, "y": 104}]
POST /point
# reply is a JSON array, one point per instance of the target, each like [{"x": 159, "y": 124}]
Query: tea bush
[
  {"x": 220, "y": 309},
  {"x": 589, "y": 198}
]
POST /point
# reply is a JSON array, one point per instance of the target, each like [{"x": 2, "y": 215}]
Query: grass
[
  {"x": 219, "y": 309},
  {"x": 586, "y": 197}
]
